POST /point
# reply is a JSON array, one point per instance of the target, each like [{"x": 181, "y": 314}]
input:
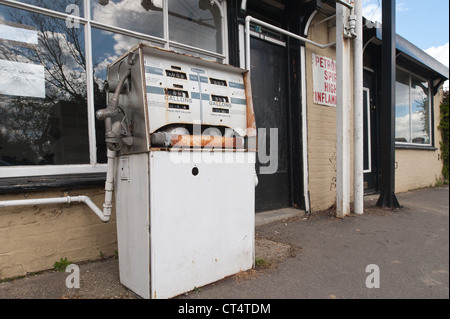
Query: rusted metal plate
[
  {"x": 207, "y": 141},
  {"x": 251, "y": 123}
]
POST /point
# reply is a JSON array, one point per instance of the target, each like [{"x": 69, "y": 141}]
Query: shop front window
[
  {"x": 130, "y": 15},
  {"x": 420, "y": 112},
  {"x": 53, "y": 68},
  {"x": 402, "y": 113},
  {"x": 68, "y": 6},
  {"x": 196, "y": 23},
  {"x": 412, "y": 109},
  {"x": 107, "y": 47},
  {"x": 43, "y": 101}
]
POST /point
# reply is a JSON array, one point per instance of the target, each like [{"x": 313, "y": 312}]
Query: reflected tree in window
[
  {"x": 58, "y": 5},
  {"x": 50, "y": 130},
  {"x": 196, "y": 23},
  {"x": 420, "y": 112},
  {"x": 412, "y": 109}
]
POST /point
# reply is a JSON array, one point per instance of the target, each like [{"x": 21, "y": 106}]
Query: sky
[{"x": 423, "y": 23}]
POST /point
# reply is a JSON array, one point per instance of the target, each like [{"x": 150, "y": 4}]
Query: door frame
[
  {"x": 366, "y": 91},
  {"x": 285, "y": 125},
  {"x": 370, "y": 85},
  {"x": 296, "y": 120}
]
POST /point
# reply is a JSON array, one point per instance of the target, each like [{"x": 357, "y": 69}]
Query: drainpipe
[
  {"x": 111, "y": 139},
  {"x": 244, "y": 6},
  {"x": 249, "y": 19},
  {"x": 104, "y": 114},
  {"x": 109, "y": 183},
  {"x": 103, "y": 215},
  {"x": 358, "y": 127},
  {"x": 343, "y": 110}
]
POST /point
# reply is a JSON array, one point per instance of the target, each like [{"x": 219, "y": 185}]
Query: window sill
[
  {"x": 40, "y": 183},
  {"x": 415, "y": 147}
]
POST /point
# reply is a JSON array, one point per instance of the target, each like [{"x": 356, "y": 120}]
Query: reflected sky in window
[
  {"x": 130, "y": 15},
  {"x": 412, "y": 110},
  {"x": 47, "y": 128},
  {"x": 195, "y": 23},
  {"x": 58, "y": 5}
]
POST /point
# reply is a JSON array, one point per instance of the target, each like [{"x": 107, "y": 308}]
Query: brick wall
[
  {"x": 321, "y": 121},
  {"x": 33, "y": 238}
]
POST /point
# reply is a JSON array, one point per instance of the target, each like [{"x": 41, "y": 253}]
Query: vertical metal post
[
  {"x": 89, "y": 86},
  {"x": 358, "y": 126},
  {"x": 387, "y": 113},
  {"x": 343, "y": 110},
  {"x": 247, "y": 44}
]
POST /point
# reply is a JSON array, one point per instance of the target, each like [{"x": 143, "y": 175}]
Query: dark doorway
[
  {"x": 269, "y": 88},
  {"x": 371, "y": 169}
]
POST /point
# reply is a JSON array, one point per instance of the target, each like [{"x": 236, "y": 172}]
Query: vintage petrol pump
[{"x": 184, "y": 137}]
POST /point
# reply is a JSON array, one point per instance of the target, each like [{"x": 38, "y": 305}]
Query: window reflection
[
  {"x": 402, "y": 132},
  {"x": 49, "y": 124},
  {"x": 195, "y": 23},
  {"x": 420, "y": 112},
  {"x": 43, "y": 104},
  {"x": 107, "y": 47},
  {"x": 412, "y": 110},
  {"x": 130, "y": 15},
  {"x": 59, "y": 5}
]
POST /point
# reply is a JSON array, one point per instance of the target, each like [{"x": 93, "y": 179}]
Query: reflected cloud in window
[
  {"x": 107, "y": 47},
  {"x": 196, "y": 23},
  {"x": 59, "y": 5},
  {"x": 128, "y": 14},
  {"x": 412, "y": 110},
  {"x": 48, "y": 125}
]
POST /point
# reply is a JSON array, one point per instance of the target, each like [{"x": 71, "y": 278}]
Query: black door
[{"x": 269, "y": 87}]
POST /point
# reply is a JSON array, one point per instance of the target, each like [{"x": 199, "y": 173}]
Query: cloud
[
  {"x": 130, "y": 15},
  {"x": 402, "y": 127},
  {"x": 401, "y": 7},
  {"x": 372, "y": 9},
  {"x": 441, "y": 54}
]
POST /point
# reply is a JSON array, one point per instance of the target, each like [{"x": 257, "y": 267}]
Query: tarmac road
[{"x": 327, "y": 259}]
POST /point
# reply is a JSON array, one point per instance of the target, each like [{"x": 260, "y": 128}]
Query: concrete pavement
[
  {"x": 410, "y": 246},
  {"x": 320, "y": 257}
]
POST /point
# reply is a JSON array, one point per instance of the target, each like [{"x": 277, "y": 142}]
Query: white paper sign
[
  {"x": 22, "y": 79},
  {"x": 18, "y": 34},
  {"x": 324, "y": 80}
]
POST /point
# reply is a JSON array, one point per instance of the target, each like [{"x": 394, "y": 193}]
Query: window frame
[
  {"x": 431, "y": 112},
  {"x": 87, "y": 23}
]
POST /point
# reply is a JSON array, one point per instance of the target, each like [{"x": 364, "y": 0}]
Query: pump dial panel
[{"x": 184, "y": 92}]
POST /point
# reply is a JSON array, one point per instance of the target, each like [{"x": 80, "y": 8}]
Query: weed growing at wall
[{"x": 61, "y": 265}]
